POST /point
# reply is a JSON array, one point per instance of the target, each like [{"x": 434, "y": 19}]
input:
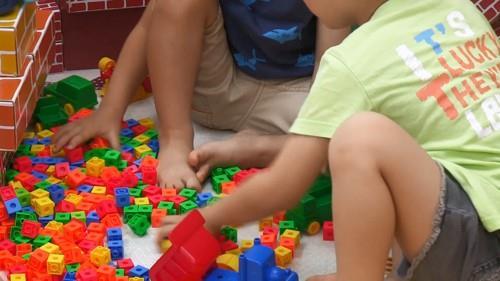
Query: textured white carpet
[{"x": 315, "y": 256}]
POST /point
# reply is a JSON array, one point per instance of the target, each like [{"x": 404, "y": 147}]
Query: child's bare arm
[
  {"x": 327, "y": 38},
  {"x": 279, "y": 188}
]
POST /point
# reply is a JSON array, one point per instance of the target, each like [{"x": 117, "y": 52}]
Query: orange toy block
[
  {"x": 168, "y": 192},
  {"x": 97, "y": 227},
  {"x": 112, "y": 220},
  {"x": 75, "y": 178},
  {"x": 74, "y": 230},
  {"x": 157, "y": 217},
  {"x": 268, "y": 240},
  {"x": 38, "y": 260},
  {"x": 22, "y": 249},
  {"x": 228, "y": 187},
  {"x": 106, "y": 273},
  {"x": 96, "y": 237},
  {"x": 289, "y": 243}
]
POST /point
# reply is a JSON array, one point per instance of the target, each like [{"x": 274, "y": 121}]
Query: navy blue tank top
[{"x": 271, "y": 39}]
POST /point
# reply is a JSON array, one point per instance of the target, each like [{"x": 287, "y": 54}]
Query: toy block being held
[{"x": 194, "y": 250}]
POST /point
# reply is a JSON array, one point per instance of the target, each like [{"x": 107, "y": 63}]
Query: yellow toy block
[
  {"x": 165, "y": 245},
  {"x": 246, "y": 245},
  {"x": 95, "y": 166},
  {"x": 17, "y": 31},
  {"x": 18, "y": 277},
  {"x": 140, "y": 150},
  {"x": 52, "y": 180},
  {"x": 141, "y": 201},
  {"x": 100, "y": 256},
  {"x": 29, "y": 135},
  {"x": 147, "y": 122},
  {"x": 16, "y": 184},
  {"x": 142, "y": 139},
  {"x": 283, "y": 256},
  {"x": 45, "y": 134},
  {"x": 99, "y": 190},
  {"x": 51, "y": 170},
  {"x": 39, "y": 193},
  {"x": 37, "y": 148},
  {"x": 228, "y": 262},
  {"x": 136, "y": 279},
  {"x": 268, "y": 221},
  {"x": 55, "y": 226},
  {"x": 50, "y": 248},
  {"x": 294, "y": 234},
  {"x": 55, "y": 264},
  {"x": 74, "y": 198},
  {"x": 236, "y": 251},
  {"x": 43, "y": 206}
]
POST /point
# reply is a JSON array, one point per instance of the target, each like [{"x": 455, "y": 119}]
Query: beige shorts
[{"x": 226, "y": 98}]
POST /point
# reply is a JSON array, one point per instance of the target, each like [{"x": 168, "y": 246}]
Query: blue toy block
[
  {"x": 139, "y": 271},
  {"x": 202, "y": 198},
  {"x": 139, "y": 176},
  {"x": 30, "y": 141},
  {"x": 56, "y": 193},
  {"x": 219, "y": 274},
  {"x": 116, "y": 248},
  {"x": 127, "y": 148},
  {"x": 70, "y": 276},
  {"x": 78, "y": 163},
  {"x": 59, "y": 160},
  {"x": 127, "y": 133},
  {"x": 122, "y": 197},
  {"x": 154, "y": 145},
  {"x": 45, "y": 220},
  {"x": 45, "y": 141},
  {"x": 132, "y": 123},
  {"x": 85, "y": 188},
  {"x": 138, "y": 162},
  {"x": 92, "y": 216},
  {"x": 40, "y": 176},
  {"x": 37, "y": 160},
  {"x": 114, "y": 234},
  {"x": 13, "y": 205},
  {"x": 28, "y": 209}
]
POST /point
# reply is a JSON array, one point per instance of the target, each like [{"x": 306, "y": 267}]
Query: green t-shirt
[{"x": 433, "y": 67}]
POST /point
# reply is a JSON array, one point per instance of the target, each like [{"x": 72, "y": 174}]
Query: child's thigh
[{"x": 460, "y": 248}]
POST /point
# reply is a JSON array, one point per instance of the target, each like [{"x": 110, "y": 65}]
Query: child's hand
[
  {"x": 169, "y": 223},
  {"x": 80, "y": 131}
]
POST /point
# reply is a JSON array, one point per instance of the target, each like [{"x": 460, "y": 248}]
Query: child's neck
[{"x": 366, "y": 9}]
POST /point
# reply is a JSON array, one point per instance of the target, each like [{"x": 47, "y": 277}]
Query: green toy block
[
  {"x": 43, "y": 185},
  {"x": 24, "y": 196},
  {"x": 26, "y": 256},
  {"x": 145, "y": 210},
  {"x": 97, "y": 152},
  {"x": 72, "y": 267},
  {"x": 188, "y": 193},
  {"x": 187, "y": 206},
  {"x": 79, "y": 216},
  {"x": 21, "y": 240},
  {"x": 122, "y": 165},
  {"x": 284, "y": 225},
  {"x": 213, "y": 200},
  {"x": 217, "y": 181},
  {"x": 41, "y": 240},
  {"x": 166, "y": 205},
  {"x": 120, "y": 272},
  {"x": 15, "y": 234},
  {"x": 62, "y": 217},
  {"x": 141, "y": 186},
  {"x": 231, "y": 171},
  {"x": 124, "y": 140},
  {"x": 22, "y": 216},
  {"x": 217, "y": 172},
  {"x": 139, "y": 224},
  {"x": 112, "y": 157},
  {"x": 151, "y": 133},
  {"x": 230, "y": 233},
  {"x": 134, "y": 143},
  {"x": 135, "y": 192},
  {"x": 10, "y": 175},
  {"x": 129, "y": 212},
  {"x": 23, "y": 149}
]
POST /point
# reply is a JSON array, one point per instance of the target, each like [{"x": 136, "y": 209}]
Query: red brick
[
  {"x": 116, "y": 4},
  {"x": 135, "y": 3},
  {"x": 96, "y": 6},
  {"x": 77, "y": 7},
  {"x": 485, "y": 3}
]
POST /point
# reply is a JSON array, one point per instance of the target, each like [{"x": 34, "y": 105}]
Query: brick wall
[{"x": 491, "y": 9}]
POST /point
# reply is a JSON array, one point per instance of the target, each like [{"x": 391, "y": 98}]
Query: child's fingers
[{"x": 64, "y": 136}]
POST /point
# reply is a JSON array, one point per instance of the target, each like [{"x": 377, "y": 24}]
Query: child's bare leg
[
  {"x": 386, "y": 186},
  {"x": 247, "y": 149},
  {"x": 174, "y": 44}
]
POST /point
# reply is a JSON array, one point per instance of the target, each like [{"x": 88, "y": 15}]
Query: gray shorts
[{"x": 460, "y": 249}]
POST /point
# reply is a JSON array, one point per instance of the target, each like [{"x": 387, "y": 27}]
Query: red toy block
[
  {"x": 22, "y": 249},
  {"x": 18, "y": 268},
  {"x": 109, "y": 173},
  {"x": 129, "y": 157},
  {"x": 106, "y": 207},
  {"x": 268, "y": 240},
  {"x": 288, "y": 243},
  {"x": 97, "y": 228},
  {"x": 112, "y": 220},
  {"x": 74, "y": 230},
  {"x": 8, "y": 245},
  {"x": 99, "y": 142},
  {"x": 149, "y": 161},
  {"x": 13, "y": 260},
  {"x": 75, "y": 178},
  {"x": 38, "y": 260},
  {"x": 96, "y": 237},
  {"x": 94, "y": 181},
  {"x": 151, "y": 190},
  {"x": 126, "y": 264},
  {"x": 155, "y": 200},
  {"x": 228, "y": 245},
  {"x": 7, "y": 193},
  {"x": 177, "y": 200},
  {"x": 157, "y": 217},
  {"x": 279, "y": 216},
  {"x": 30, "y": 229},
  {"x": 271, "y": 230},
  {"x": 86, "y": 274},
  {"x": 72, "y": 254},
  {"x": 41, "y": 168},
  {"x": 87, "y": 245},
  {"x": 23, "y": 164},
  {"x": 121, "y": 278},
  {"x": 193, "y": 251},
  {"x": 106, "y": 273},
  {"x": 85, "y": 206},
  {"x": 138, "y": 129},
  {"x": 129, "y": 179},
  {"x": 131, "y": 169},
  {"x": 149, "y": 175},
  {"x": 65, "y": 207},
  {"x": 62, "y": 170},
  {"x": 328, "y": 232},
  {"x": 74, "y": 155},
  {"x": 4, "y": 257},
  {"x": 4, "y": 232}
]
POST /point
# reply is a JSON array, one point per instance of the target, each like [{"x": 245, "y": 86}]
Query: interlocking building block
[{"x": 55, "y": 264}]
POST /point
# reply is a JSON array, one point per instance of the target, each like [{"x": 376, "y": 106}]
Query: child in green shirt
[{"x": 406, "y": 114}]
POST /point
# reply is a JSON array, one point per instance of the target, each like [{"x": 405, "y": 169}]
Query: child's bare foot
[
  {"x": 174, "y": 170},
  {"x": 326, "y": 277},
  {"x": 246, "y": 149}
]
